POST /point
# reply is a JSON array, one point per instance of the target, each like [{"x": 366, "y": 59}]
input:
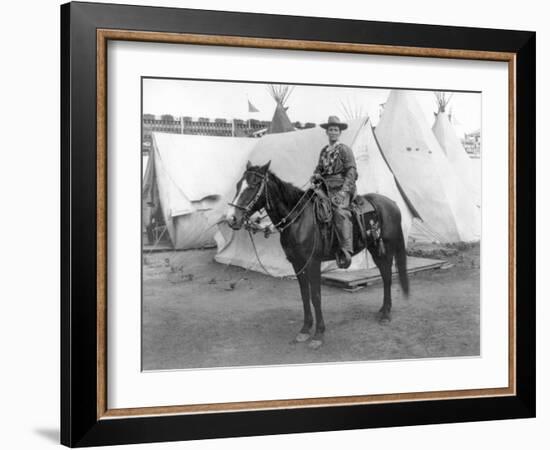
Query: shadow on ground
[{"x": 49, "y": 434}]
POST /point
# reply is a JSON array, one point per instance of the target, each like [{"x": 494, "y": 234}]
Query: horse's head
[{"x": 250, "y": 196}]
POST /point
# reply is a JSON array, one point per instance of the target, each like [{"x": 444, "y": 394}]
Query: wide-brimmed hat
[{"x": 334, "y": 121}]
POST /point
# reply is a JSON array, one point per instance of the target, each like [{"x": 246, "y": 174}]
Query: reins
[
  {"x": 284, "y": 222},
  {"x": 280, "y": 226},
  {"x": 302, "y": 270}
]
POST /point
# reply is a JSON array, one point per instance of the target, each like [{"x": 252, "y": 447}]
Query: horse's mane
[{"x": 285, "y": 190}]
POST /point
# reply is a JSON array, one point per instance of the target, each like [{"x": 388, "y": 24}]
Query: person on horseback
[{"x": 338, "y": 171}]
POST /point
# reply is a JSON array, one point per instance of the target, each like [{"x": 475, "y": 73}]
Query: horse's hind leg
[
  {"x": 384, "y": 264},
  {"x": 303, "y": 335},
  {"x": 314, "y": 275}
]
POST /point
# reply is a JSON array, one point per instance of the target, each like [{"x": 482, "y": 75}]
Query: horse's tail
[{"x": 401, "y": 263}]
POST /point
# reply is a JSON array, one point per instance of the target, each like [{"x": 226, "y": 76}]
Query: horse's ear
[
  {"x": 265, "y": 167},
  {"x": 248, "y": 165}
]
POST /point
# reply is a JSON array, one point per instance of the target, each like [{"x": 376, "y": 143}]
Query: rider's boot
[{"x": 345, "y": 235}]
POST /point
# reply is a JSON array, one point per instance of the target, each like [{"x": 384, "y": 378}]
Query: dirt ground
[{"x": 198, "y": 313}]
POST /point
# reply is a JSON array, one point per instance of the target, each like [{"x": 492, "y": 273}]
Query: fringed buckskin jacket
[{"x": 338, "y": 168}]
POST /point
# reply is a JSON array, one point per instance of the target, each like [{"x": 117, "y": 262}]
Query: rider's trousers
[{"x": 342, "y": 222}]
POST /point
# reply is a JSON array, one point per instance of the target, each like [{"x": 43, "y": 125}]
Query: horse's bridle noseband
[
  {"x": 263, "y": 189},
  {"x": 280, "y": 226},
  {"x": 288, "y": 219}
]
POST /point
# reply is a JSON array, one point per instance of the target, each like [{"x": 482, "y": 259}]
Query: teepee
[
  {"x": 454, "y": 150},
  {"x": 293, "y": 158},
  {"x": 442, "y": 199},
  {"x": 375, "y": 175},
  {"x": 280, "y": 123}
]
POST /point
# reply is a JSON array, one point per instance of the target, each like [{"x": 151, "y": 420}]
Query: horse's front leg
[
  {"x": 314, "y": 276},
  {"x": 303, "y": 335}
]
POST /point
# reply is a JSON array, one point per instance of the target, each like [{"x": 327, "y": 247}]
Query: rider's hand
[{"x": 315, "y": 178}]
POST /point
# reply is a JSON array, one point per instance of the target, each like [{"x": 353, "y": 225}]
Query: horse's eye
[{"x": 254, "y": 182}]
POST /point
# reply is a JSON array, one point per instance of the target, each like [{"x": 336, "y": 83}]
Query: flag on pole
[{"x": 252, "y": 108}]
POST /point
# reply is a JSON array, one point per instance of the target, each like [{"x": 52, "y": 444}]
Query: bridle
[
  {"x": 247, "y": 210},
  {"x": 284, "y": 223}
]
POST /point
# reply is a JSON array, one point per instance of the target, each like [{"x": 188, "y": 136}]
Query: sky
[{"x": 221, "y": 99}]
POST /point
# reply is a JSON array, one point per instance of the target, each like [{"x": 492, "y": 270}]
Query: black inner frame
[{"x": 79, "y": 424}]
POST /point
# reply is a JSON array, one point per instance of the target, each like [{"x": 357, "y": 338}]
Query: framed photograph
[{"x": 278, "y": 224}]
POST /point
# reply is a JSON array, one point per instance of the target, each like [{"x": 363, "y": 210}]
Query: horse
[{"x": 291, "y": 211}]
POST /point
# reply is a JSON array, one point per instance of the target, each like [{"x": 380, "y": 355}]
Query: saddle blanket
[
  {"x": 323, "y": 206},
  {"x": 364, "y": 217},
  {"x": 361, "y": 205}
]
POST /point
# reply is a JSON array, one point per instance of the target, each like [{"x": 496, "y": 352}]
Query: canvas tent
[
  {"x": 144, "y": 163},
  {"x": 280, "y": 123},
  {"x": 150, "y": 202},
  {"x": 191, "y": 178},
  {"x": 375, "y": 175},
  {"x": 455, "y": 152},
  {"x": 293, "y": 157},
  {"x": 442, "y": 199}
]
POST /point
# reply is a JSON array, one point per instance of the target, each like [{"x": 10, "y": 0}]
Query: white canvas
[
  {"x": 457, "y": 156},
  {"x": 192, "y": 204},
  {"x": 429, "y": 181}
]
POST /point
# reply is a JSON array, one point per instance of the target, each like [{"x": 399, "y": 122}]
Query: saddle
[{"x": 365, "y": 220}]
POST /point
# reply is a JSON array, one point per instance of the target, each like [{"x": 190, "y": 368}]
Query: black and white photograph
[
  {"x": 287, "y": 224},
  {"x": 275, "y": 225}
]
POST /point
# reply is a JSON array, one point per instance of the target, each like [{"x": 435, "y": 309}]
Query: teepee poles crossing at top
[
  {"x": 352, "y": 110},
  {"x": 442, "y": 101},
  {"x": 280, "y": 92}
]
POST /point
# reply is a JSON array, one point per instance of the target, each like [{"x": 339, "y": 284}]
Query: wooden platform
[
  {"x": 167, "y": 247},
  {"x": 354, "y": 279}
]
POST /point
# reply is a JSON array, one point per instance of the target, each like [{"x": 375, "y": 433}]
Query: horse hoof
[
  {"x": 385, "y": 318},
  {"x": 302, "y": 337},
  {"x": 315, "y": 344}
]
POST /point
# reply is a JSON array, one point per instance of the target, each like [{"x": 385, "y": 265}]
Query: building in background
[
  {"x": 205, "y": 126},
  {"x": 472, "y": 143}
]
